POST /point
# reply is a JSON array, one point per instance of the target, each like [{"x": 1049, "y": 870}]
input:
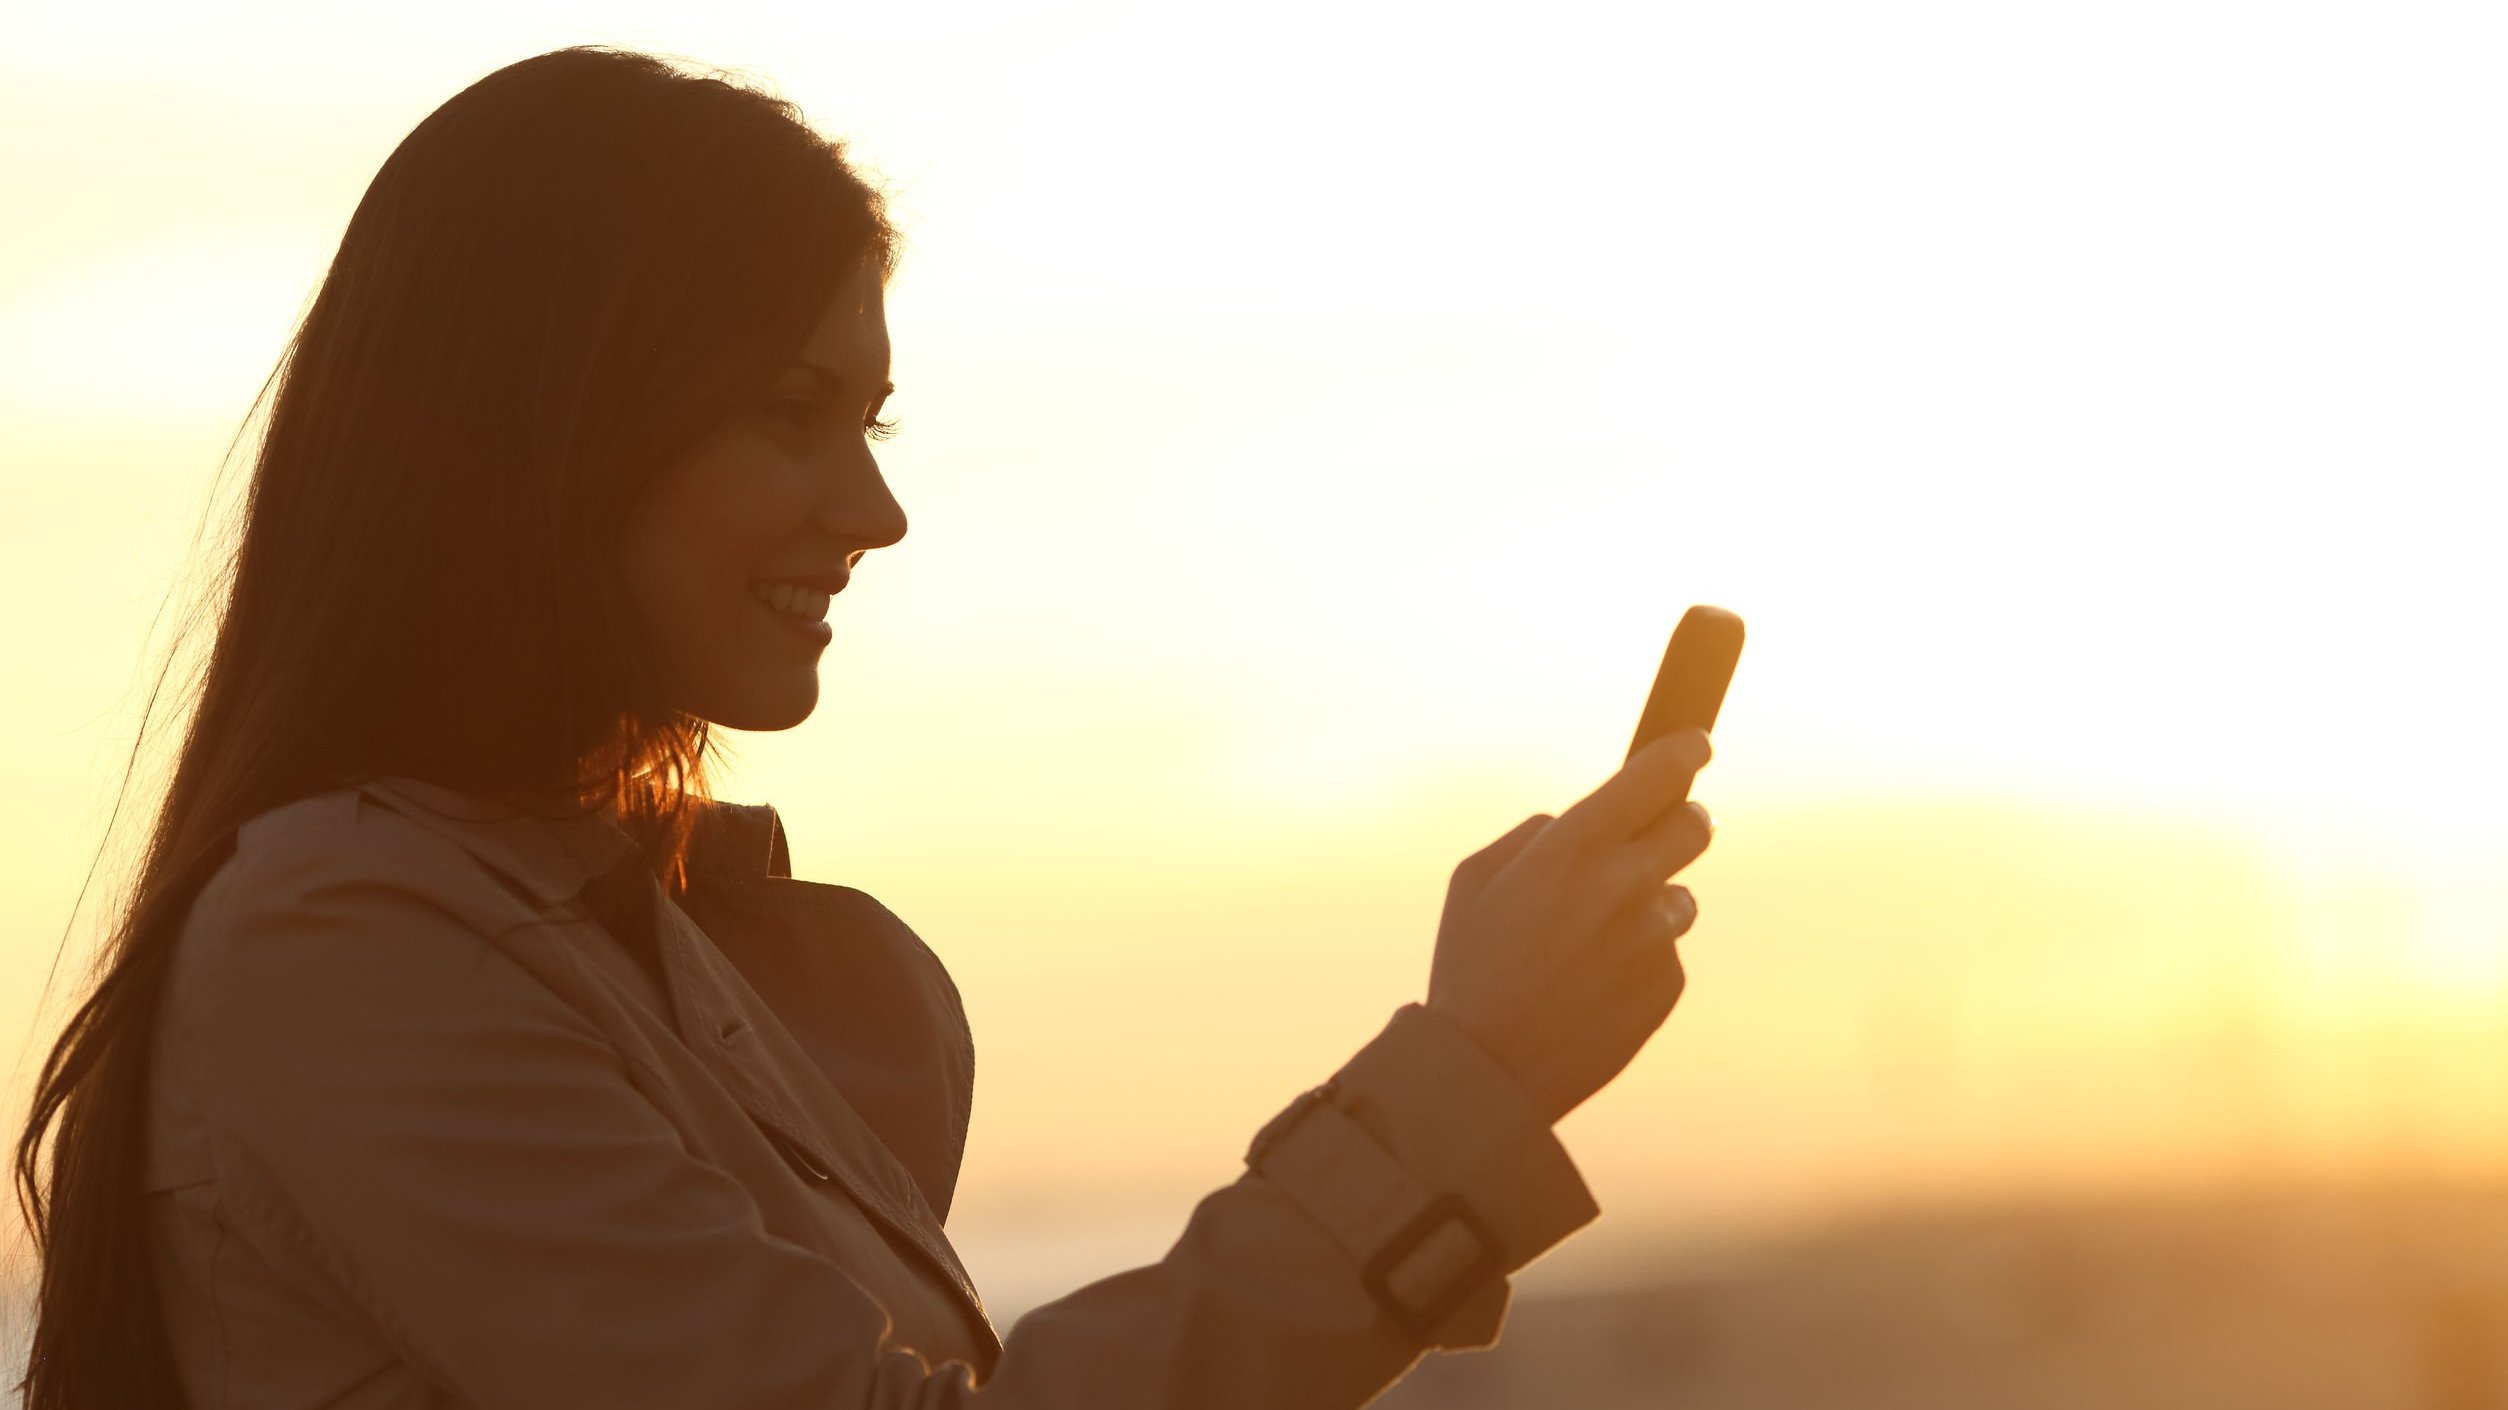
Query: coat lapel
[
  {"x": 751, "y": 1059},
  {"x": 739, "y": 878}
]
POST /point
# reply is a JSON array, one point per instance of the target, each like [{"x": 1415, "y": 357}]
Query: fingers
[
  {"x": 1680, "y": 909},
  {"x": 1635, "y": 869},
  {"x": 1689, "y": 745},
  {"x": 1627, "y": 989},
  {"x": 1660, "y": 915},
  {"x": 1600, "y": 887},
  {"x": 1648, "y": 959},
  {"x": 1653, "y": 779},
  {"x": 1657, "y": 955},
  {"x": 1675, "y": 839}
]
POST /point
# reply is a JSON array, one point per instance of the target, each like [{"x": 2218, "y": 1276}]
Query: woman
[{"x": 456, "y": 1049}]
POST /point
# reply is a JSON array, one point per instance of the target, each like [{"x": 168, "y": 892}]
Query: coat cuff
[{"x": 1431, "y": 1167}]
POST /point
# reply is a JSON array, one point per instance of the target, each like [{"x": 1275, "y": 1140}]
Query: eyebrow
[{"x": 836, "y": 383}]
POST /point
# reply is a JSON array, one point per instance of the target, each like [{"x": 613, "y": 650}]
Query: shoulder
[
  {"x": 334, "y": 849},
  {"x": 335, "y": 891},
  {"x": 347, "y": 967}
]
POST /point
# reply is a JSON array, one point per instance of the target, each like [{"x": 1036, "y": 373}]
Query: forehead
[{"x": 852, "y": 331}]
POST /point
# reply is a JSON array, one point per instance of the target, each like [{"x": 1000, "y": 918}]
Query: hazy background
[{"x": 1315, "y": 417}]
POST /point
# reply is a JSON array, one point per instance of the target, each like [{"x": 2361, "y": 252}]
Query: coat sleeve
[{"x": 467, "y": 1162}]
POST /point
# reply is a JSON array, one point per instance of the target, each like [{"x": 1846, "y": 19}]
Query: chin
[{"x": 764, "y": 712}]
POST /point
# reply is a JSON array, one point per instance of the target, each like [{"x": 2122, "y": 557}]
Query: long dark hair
[{"x": 559, "y": 281}]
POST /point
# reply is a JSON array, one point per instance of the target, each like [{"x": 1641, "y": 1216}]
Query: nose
[{"x": 873, "y": 525}]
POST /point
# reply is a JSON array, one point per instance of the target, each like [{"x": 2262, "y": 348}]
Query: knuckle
[
  {"x": 1679, "y": 846},
  {"x": 1678, "y": 841},
  {"x": 1623, "y": 872}
]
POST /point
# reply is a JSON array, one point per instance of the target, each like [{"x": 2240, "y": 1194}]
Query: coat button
[{"x": 794, "y": 1155}]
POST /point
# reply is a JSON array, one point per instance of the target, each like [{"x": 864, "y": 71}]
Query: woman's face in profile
[{"x": 782, "y": 490}]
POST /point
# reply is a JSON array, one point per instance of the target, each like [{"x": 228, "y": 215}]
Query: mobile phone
[{"x": 1689, "y": 685}]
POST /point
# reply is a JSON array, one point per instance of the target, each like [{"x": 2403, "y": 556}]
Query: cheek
[
  {"x": 699, "y": 533},
  {"x": 656, "y": 560}
]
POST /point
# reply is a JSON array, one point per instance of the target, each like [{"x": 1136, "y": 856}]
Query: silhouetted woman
[{"x": 455, "y": 1048}]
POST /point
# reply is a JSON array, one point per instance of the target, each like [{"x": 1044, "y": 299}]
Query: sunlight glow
[{"x": 2093, "y": 413}]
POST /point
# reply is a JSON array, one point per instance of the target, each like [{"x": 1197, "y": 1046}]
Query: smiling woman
[
  {"x": 458, "y": 1050},
  {"x": 519, "y": 474}
]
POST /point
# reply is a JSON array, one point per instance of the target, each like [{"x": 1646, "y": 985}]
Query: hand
[{"x": 1557, "y": 952}]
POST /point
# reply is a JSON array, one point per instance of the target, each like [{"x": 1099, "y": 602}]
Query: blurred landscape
[
  {"x": 2331, "y": 1297},
  {"x": 2356, "y": 1298}
]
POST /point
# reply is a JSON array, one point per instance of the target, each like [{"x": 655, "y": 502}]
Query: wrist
[{"x": 1543, "y": 1096}]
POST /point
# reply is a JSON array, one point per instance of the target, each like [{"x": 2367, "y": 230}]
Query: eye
[
  {"x": 879, "y": 430},
  {"x": 797, "y": 411}
]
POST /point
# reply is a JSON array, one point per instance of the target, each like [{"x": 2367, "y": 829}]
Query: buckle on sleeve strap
[{"x": 1423, "y": 1253}]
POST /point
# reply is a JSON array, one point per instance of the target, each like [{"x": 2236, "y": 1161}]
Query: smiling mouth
[{"x": 795, "y": 600}]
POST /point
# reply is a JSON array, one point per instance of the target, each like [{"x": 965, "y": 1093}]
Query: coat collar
[{"x": 552, "y": 856}]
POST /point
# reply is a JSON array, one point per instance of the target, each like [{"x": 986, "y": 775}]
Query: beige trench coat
[{"x": 424, "y": 1134}]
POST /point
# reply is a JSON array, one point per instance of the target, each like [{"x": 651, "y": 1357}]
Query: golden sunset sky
[{"x": 1315, "y": 417}]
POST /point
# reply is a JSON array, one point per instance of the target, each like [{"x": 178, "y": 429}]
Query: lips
[
  {"x": 795, "y": 599},
  {"x": 830, "y": 581}
]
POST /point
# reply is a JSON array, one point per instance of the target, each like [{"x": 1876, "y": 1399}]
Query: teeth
[{"x": 796, "y": 598}]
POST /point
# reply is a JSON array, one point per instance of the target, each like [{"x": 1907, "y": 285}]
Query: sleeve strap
[{"x": 1429, "y": 1168}]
